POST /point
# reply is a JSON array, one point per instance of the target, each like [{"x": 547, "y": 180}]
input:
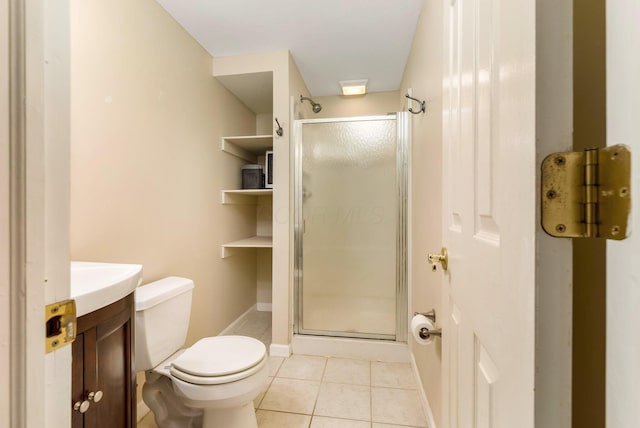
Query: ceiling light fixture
[{"x": 354, "y": 87}]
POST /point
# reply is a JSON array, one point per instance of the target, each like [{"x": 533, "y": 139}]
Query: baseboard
[
  {"x": 276, "y": 350},
  {"x": 431, "y": 423},
  {"x": 233, "y": 325},
  {"x": 264, "y": 307},
  {"x": 143, "y": 410}
]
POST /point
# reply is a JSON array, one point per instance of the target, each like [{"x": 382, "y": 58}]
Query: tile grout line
[{"x": 315, "y": 403}]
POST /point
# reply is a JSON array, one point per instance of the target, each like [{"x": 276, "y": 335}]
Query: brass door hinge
[
  {"x": 60, "y": 324},
  {"x": 587, "y": 194}
]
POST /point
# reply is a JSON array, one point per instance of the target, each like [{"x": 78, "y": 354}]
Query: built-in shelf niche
[
  {"x": 244, "y": 196},
  {"x": 253, "y": 242},
  {"x": 247, "y": 147}
]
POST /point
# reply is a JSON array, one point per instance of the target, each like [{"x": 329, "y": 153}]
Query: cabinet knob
[
  {"x": 81, "y": 406},
  {"x": 95, "y": 396}
]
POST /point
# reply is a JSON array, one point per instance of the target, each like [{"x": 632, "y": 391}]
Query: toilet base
[
  {"x": 158, "y": 395},
  {"x": 176, "y": 411},
  {"x": 230, "y": 417}
]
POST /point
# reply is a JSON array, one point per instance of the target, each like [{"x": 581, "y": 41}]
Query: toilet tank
[{"x": 162, "y": 318}]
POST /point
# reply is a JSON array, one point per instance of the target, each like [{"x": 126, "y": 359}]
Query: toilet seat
[{"x": 220, "y": 359}]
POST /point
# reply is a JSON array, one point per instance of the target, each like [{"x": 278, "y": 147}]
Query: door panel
[
  {"x": 452, "y": 364},
  {"x": 486, "y": 377},
  {"x": 486, "y": 226},
  {"x": 489, "y": 165}
]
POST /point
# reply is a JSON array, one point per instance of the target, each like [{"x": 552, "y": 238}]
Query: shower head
[{"x": 314, "y": 105}]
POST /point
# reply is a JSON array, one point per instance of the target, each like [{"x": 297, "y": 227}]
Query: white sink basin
[{"x": 96, "y": 285}]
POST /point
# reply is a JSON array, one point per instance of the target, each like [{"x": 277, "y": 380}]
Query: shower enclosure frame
[{"x": 402, "y": 166}]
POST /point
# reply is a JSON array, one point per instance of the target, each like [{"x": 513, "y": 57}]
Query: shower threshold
[{"x": 374, "y": 350}]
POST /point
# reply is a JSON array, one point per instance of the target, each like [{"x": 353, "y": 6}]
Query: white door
[
  {"x": 489, "y": 213},
  {"x": 5, "y": 281},
  {"x": 623, "y": 257}
]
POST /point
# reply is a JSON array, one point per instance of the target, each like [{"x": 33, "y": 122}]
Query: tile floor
[
  {"x": 325, "y": 392},
  {"x": 257, "y": 325}
]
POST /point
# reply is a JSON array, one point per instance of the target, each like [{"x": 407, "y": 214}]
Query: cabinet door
[
  {"x": 103, "y": 361},
  {"x": 77, "y": 379},
  {"x": 112, "y": 373}
]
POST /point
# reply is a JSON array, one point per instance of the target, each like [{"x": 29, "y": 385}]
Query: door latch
[{"x": 60, "y": 324}]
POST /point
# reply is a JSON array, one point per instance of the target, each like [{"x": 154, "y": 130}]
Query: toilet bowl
[{"x": 212, "y": 383}]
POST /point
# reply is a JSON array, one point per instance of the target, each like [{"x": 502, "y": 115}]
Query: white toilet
[{"x": 211, "y": 384}]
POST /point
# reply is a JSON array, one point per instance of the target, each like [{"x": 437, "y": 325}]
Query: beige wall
[
  {"x": 423, "y": 74},
  {"x": 264, "y": 123},
  {"x": 146, "y": 164},
  {"x": 264, "y": 227},
  {"x": 372, "y": 104}
]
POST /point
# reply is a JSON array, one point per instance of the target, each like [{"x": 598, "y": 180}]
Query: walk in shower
[{"x": 350, "y": 227}]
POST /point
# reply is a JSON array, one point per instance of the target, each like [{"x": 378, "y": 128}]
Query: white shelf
[
  {"x": 253, "y": 242},
  {"x": 247, "y": 147},
  {"x": 243, "y": 196}
]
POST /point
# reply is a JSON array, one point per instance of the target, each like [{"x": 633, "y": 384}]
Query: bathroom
[
  {"x": 118, "y": 155},
  {"x": 146, "y": 164}
]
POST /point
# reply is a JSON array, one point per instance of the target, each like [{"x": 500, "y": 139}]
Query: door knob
[{"x": 442, "y": 258}]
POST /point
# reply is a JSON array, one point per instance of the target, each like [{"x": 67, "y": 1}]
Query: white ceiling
[{"x": 330, "y": 40}]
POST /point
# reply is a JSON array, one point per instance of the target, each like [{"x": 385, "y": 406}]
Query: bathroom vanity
[
  {"x": 103, "y": 375},
  {"x": 103, "y": 378}
]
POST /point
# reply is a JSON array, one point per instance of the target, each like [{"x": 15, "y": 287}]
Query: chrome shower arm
[{"x": 316, "y": 107}]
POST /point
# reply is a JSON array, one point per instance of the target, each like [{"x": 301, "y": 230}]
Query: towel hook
[
  {"x": 279, "y": 131},
  {"x": 422, "y": 105}
]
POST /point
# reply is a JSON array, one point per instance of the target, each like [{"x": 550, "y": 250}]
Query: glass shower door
[{"x": 347, "y": 227}]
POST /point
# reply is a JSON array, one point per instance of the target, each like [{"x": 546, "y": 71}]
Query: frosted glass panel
[{"x": 349, "y": 215}]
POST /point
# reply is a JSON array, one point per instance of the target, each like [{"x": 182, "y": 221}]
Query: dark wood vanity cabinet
[{"x": 103, "y": 362}]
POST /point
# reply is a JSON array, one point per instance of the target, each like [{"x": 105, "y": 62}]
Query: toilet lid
[{"x": 220, "y": 356}]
